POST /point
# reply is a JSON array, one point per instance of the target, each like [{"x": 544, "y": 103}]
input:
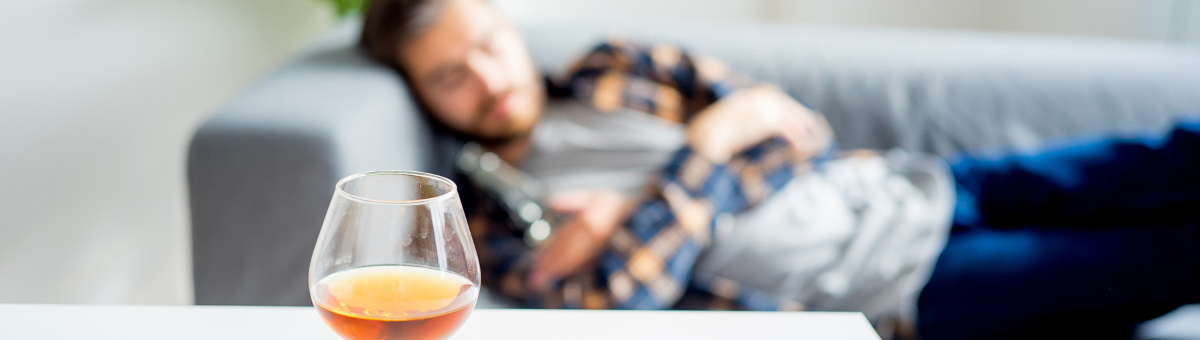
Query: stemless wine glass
[{"x": 394, "y": 259}]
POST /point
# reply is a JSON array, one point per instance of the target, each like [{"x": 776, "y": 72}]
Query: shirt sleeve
[{"x": 660, "y": 79}]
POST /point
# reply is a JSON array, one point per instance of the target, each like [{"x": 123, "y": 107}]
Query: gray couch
[{"x": 261, "y": 170}]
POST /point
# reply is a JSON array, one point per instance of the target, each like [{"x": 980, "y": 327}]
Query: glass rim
[{"x": 338, "y": 188}]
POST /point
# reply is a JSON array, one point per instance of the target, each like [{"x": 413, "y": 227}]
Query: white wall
[
  {"x": 1169, "y": 20},
  {"x": 632, "y": 10},
  {"x": 98, "y": 99},
  {"x": 1114, "y": 18}
]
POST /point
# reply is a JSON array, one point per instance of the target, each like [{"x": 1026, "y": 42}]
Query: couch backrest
[{"x": 933, "y": 91}]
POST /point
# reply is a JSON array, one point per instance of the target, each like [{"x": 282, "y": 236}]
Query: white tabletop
[{"x": 207, "y": 322}]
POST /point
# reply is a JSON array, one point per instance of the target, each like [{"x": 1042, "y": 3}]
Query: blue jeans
[{"x": 1083, "y": 239}]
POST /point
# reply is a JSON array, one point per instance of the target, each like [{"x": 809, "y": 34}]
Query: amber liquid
[{"x": 394, "y": 302}]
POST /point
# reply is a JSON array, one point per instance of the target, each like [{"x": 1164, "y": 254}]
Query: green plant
[{"x": 344, "y": 7}]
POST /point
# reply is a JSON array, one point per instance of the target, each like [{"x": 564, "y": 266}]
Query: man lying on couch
[{"x": 690, "y": 186}]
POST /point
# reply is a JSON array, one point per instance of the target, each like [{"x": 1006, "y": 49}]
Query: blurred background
[{"x": 99, "y": 98}]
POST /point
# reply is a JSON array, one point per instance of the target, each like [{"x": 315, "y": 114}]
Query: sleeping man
[{"x": 686, "y": 185}]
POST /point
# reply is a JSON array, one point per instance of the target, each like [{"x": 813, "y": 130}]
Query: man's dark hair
[{"x": 389, "y": 24}]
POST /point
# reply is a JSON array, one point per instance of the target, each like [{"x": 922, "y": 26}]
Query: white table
[{"x": 206, "y": 322}]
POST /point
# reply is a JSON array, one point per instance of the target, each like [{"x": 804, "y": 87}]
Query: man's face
[{"x": 473, "y": 71}]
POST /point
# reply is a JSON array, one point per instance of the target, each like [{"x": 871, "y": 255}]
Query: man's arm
[
  {"x": 726, "y": 112},
  {"x": 662, "y": 80}
]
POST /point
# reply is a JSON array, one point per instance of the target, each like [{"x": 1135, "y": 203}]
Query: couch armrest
[{"x": 261, "y": 171}]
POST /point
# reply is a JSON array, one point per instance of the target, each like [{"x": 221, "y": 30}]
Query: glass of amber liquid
[{"x": 394, "y": 259}]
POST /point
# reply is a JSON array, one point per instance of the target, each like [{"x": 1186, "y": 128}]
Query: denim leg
[
  {"x": 1091, "y": 181},
  {"x": 1065, "y": 282},
  {"x": 1083, "y": 239}
]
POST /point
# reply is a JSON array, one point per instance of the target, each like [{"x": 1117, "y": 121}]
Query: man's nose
[{"x": 490, "y": 73}]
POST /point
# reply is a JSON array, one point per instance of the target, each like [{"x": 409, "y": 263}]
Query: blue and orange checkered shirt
[{"x": 648, "y": 263}]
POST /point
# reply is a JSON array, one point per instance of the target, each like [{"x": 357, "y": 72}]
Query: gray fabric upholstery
[
  {"x": 261, "y": 170},
  {"x": 933, "y": 91}
]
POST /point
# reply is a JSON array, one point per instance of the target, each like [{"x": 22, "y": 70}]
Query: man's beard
[{"x": 508, "y": 133}]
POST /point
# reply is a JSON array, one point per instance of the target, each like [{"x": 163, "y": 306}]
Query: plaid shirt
[{"x": 648, "y": 263}]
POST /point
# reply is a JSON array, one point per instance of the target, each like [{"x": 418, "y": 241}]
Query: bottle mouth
[{"x": 396, "y": 187}]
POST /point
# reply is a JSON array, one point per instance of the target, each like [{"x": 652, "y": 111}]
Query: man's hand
[
  {"x": 753, "y": 115},
  {"x": 596, "y": 214}
]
